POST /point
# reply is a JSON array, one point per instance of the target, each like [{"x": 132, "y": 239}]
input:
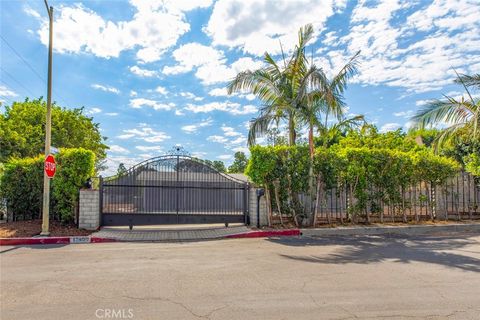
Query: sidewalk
[
  {"x": 169, "y": 234},
  {"x": 403, "y": 230}
]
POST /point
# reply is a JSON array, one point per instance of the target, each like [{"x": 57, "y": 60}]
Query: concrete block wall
[
  {"x": 253, "y": 208},
  {"x": 89, "y": 209}
]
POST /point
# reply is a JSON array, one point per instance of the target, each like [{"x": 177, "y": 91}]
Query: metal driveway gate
[{"x": 172, "y": 189}]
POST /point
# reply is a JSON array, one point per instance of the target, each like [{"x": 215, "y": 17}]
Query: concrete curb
[
  {"x": 52, "y": 240},
  {"x": 318, "y": 232},
  {"x": 265, "y": 234},
  {"x": 403, "y": 230}
]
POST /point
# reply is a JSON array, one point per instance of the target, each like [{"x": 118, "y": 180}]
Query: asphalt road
[{"x": 435, "y": 277}]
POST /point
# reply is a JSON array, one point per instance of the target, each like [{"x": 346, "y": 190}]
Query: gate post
[
  {"x": 100, "y": 198},
  {"x": 246, "y": 210}
]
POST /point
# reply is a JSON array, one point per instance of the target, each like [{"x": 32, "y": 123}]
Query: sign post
[{"x": 48, "y": 128}]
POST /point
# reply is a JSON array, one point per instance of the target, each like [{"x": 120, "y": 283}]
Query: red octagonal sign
[{"x": 50, "y": 166}]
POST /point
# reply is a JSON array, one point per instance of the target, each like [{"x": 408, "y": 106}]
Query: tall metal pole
[{"x": 48, "y": 131}]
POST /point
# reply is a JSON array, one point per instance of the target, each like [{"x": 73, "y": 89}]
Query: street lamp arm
[{"x": 49, "y": 9}]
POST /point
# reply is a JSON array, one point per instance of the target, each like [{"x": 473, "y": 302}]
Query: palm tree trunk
[
  {"x": 291, "y": 130},
  {"x": 311, "y": 178}
]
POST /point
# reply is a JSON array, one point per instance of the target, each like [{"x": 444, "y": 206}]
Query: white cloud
[
  {"x": 212, "y": 73},
  {"x": 149, "y": 148},
  {"x": 405, "y": 114},
  {"x": 401, "y": 54},
  {"x": 117, "y": 149},
  {"x": 161, "y": 90},
  {"x": 192, "y": 55},
  {"x": 105, "y": 88},
  {"x": 211, "y": 63},
  {"x": 218, "y": 92},
  {"x": 217, "y": 138},
  {"x": 190, "y": 95},
  {"x": 179, "y": 112},
  {"x": 230, "y": 132},
  {"x": 31, "y": 12},
  {"x": 112, "y": 114},
  {"x": 226, "y": 106},
  {"x": 112, "y": 163},
  {"x": 199, "y": 154},
  {"x": 257, "y": 26},
  {"x": 422, "y": 102},
  {"x": 144, "y": 133},
  {"x": 248, "y": 109},
  {"x": 389, "y": 127},
  {"x": 241, "y": 149},
  {"x": 225, "y": 157},
  {"x": 6, "y": 92},
  {"x": 143, "y": 72},
  {"x": 94, "y": 110},
  {"x": 194, "y": 127},
  {"x": 154, "y": 28},
  {"x": 133, "y": 93},
  {"x": 249, "y": 96},
  {"x": 138, "y": 103}
]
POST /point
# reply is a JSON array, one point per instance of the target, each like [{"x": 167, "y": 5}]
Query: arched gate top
[{"x": 169, "y": 167}]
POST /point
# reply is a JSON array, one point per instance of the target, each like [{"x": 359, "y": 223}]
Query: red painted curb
[
  {"x": 52, "y": 240},
  {"x": 266, "y": 234}
]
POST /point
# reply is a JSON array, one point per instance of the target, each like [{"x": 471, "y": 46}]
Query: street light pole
[{"x": 48, "y": 132}]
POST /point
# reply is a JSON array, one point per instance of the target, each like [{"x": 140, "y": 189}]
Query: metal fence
[{"x": 456, "y": 199}]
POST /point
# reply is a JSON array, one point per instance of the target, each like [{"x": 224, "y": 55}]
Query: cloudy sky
[{"x": 153, "y": 73}]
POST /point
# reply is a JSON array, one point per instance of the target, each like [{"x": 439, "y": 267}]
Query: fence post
[
  {"x": 434, "y": 200},
  {"x": 347, "y": 202},
  {"x": 246, "y": 211}
]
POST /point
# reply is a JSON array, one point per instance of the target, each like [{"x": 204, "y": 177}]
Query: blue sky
[{"x": 153, "y": 73}]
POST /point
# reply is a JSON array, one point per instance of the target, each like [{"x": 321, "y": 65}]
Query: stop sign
[{"x": 50, "y": 166}]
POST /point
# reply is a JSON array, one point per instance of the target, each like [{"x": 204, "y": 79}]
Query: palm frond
[
  {"x": 469, "y": 80},
  {"x": 450, "y": 111},
  {"x": 259, "y": 127}
]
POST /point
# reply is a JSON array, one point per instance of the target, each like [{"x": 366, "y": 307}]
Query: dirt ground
[{"x": 18, "y": 229}]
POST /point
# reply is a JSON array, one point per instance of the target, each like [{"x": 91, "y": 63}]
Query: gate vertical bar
[{"x": 177, "y": 185}]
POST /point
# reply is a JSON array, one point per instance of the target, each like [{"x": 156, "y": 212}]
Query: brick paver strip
[{"x": 169, "y": 235}]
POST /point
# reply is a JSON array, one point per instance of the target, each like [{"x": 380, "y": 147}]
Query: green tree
[
  {"x": 239, "y": 163},
  {"x": 219, "y": 166},
  {"x": 121, "y": 170},
  {"x": 22, "y": 130}
]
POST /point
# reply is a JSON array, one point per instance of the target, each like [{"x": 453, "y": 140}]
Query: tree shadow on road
[{"x": 400, "y": 249}]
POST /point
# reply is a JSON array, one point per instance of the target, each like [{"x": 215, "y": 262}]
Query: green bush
[
  {"x": 22, "y": 183},
  {"x": 371, "y": 176}
]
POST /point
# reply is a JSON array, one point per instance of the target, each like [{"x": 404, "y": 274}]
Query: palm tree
[
  {"x": 278, "y": 88},
  {"x": 461, "y": 114},
  {"x": 325, "y": 98}
]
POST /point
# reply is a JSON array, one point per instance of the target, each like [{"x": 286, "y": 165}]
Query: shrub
[
  {"x": 22, "y": 183},
  {"x": 371, "y": 175}
]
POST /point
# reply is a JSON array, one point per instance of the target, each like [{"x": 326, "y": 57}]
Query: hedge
[
  {"x": 359, "y": 170},
  {"x": 21, "y": 184}
]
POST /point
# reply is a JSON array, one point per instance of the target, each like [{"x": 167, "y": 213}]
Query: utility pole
[{"x": 48, "y": 132}]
